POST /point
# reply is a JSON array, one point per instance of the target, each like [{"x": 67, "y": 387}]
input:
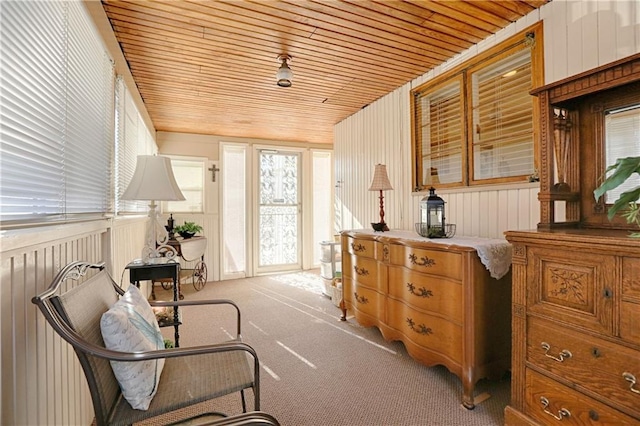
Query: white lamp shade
[
  {"x": 380, "y": 179},
  {"x": 153, "y": 180}
]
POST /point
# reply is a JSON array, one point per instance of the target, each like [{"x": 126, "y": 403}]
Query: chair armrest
[
  {"x": 111, "y": 355},
  {"x": 179, "y": 303}
]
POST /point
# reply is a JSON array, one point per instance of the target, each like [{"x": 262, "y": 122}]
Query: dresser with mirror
[{"x": 576, "y": 278}]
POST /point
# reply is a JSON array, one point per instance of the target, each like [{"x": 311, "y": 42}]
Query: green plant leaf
[
  {"x": 188, "y": 227},
  {"x": 624, "y": 200},
  {"x": 624, "y": 167}
]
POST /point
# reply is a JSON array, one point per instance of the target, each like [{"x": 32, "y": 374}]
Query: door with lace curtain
[{"x": 278, "y": 218}]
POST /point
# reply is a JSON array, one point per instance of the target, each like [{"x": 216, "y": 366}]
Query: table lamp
[
  {"x": 152, "y": 181},
  {"x": 380, "y": 183}
]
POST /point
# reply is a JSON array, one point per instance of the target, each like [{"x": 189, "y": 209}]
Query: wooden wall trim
[{"x": 611, "y": 75}]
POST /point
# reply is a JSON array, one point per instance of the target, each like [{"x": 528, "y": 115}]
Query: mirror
[{"x": 622, "y": 139}]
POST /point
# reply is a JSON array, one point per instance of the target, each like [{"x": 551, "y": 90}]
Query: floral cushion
[{"x": 130, "y": 326}]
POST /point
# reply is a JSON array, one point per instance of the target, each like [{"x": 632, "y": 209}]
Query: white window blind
[
  {"x": 56, "y": 123},
  {"x": 622, "y": 130},
  {"x": 441, "y": 135},
  {"x": 189, "y": 175},
  {"x": 503, "y": 118},
  {"x": 132, "y": 139}
]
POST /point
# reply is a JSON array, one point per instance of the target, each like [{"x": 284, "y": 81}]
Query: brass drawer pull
[
  {"x": 632, "y": 379},
  {"x": 361, "y": 299},
  {"x": 360, "y": 271},
  {"x": 422, "y": 292},
  {"x": 424, "y": 261},
  {"x": 562, "y": 413},
  {"x": 358, "y": 247},
  {"x": 563, "y": 353},
  {"x": 420, "y": 329}
]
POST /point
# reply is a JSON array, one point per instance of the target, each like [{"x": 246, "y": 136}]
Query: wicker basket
[{"x": 337, "y": 291}]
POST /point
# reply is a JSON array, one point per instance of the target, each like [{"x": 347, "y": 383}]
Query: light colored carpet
[{"x": 317, "y": 370}]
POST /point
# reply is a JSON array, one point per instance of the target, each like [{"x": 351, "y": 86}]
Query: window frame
[
  {"x": 530, "y": 38},
  {"x": 170, "y": 206}
]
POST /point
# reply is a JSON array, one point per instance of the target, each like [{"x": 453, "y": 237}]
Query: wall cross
[{"x": 213, "y": 169}]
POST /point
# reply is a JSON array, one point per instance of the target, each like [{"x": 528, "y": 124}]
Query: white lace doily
[{"x": 494, "y": 253}]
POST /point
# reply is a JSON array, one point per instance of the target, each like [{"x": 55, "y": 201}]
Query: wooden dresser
[
  {"x": 436, "y": 297},
  {"x": 576, "y": 279},
  {"x": 576, "y": 328}
]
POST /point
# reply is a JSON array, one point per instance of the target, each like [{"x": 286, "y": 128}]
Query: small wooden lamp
[{"x": 380, "y": 183}]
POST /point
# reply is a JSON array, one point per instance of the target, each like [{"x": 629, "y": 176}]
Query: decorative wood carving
[
  {"x": 567, "y": 285},
  {"x": 519, "y": 253},
  {"x": 561, "y": 145},
  {"x": 560, "y": 140}
]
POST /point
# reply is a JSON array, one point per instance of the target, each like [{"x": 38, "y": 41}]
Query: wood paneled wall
[{"x": 578, "y": 35}]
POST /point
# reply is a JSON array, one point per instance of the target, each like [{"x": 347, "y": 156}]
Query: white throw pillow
[{"x": 130, "y": 326}]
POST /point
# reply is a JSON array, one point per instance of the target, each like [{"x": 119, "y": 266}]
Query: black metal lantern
[{"x": 432, "y": 218}]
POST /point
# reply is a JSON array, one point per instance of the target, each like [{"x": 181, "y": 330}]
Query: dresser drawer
[
  {"x": 427, "y": 292},
  {"x": 593, "y": 364},
  {"x": 630, "y": 322},
  {"x": 631, "y": 278},
  {"x": 573, "y": 287},
  {"x": 360, "y": 247},
  {"x": 364, "y": 299},
  {"x": 435, "y": 262},
  {"x": 367, "y": 272},
  {"x": 545, "y": 398},
  {"x": 430, "y": 332},
  {"x": 630, "y": 305}
]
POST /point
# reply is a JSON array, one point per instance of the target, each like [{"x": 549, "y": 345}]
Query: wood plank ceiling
[{"x": 209, "y": 67}]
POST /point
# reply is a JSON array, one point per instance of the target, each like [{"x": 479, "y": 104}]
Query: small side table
[{"x": 139, "y": 271}]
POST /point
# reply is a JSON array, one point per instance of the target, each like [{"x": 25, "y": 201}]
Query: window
[
  {"x": 502, "y": 111},
  {"x": 474, "y": 124},
  {"x": 234, "y": 210},
  {"x": 189, "y": 175},
  {"x": 57, "y": 102},
  {"x": 132, "y": 139},
  {"x": 441, "y": 134}
]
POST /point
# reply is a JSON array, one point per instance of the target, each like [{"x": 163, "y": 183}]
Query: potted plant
[
  {"x": 622, "y": 170},
  {"x": 188, "y": 229}
]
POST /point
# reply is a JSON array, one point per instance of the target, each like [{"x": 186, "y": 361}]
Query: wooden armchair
[{"x": 190, "y": 375}]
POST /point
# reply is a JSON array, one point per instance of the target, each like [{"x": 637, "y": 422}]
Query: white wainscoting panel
[{"x": 41, "y": 380}]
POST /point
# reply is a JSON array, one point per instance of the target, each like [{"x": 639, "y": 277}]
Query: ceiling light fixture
[{"x": 284, "y": 75}]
